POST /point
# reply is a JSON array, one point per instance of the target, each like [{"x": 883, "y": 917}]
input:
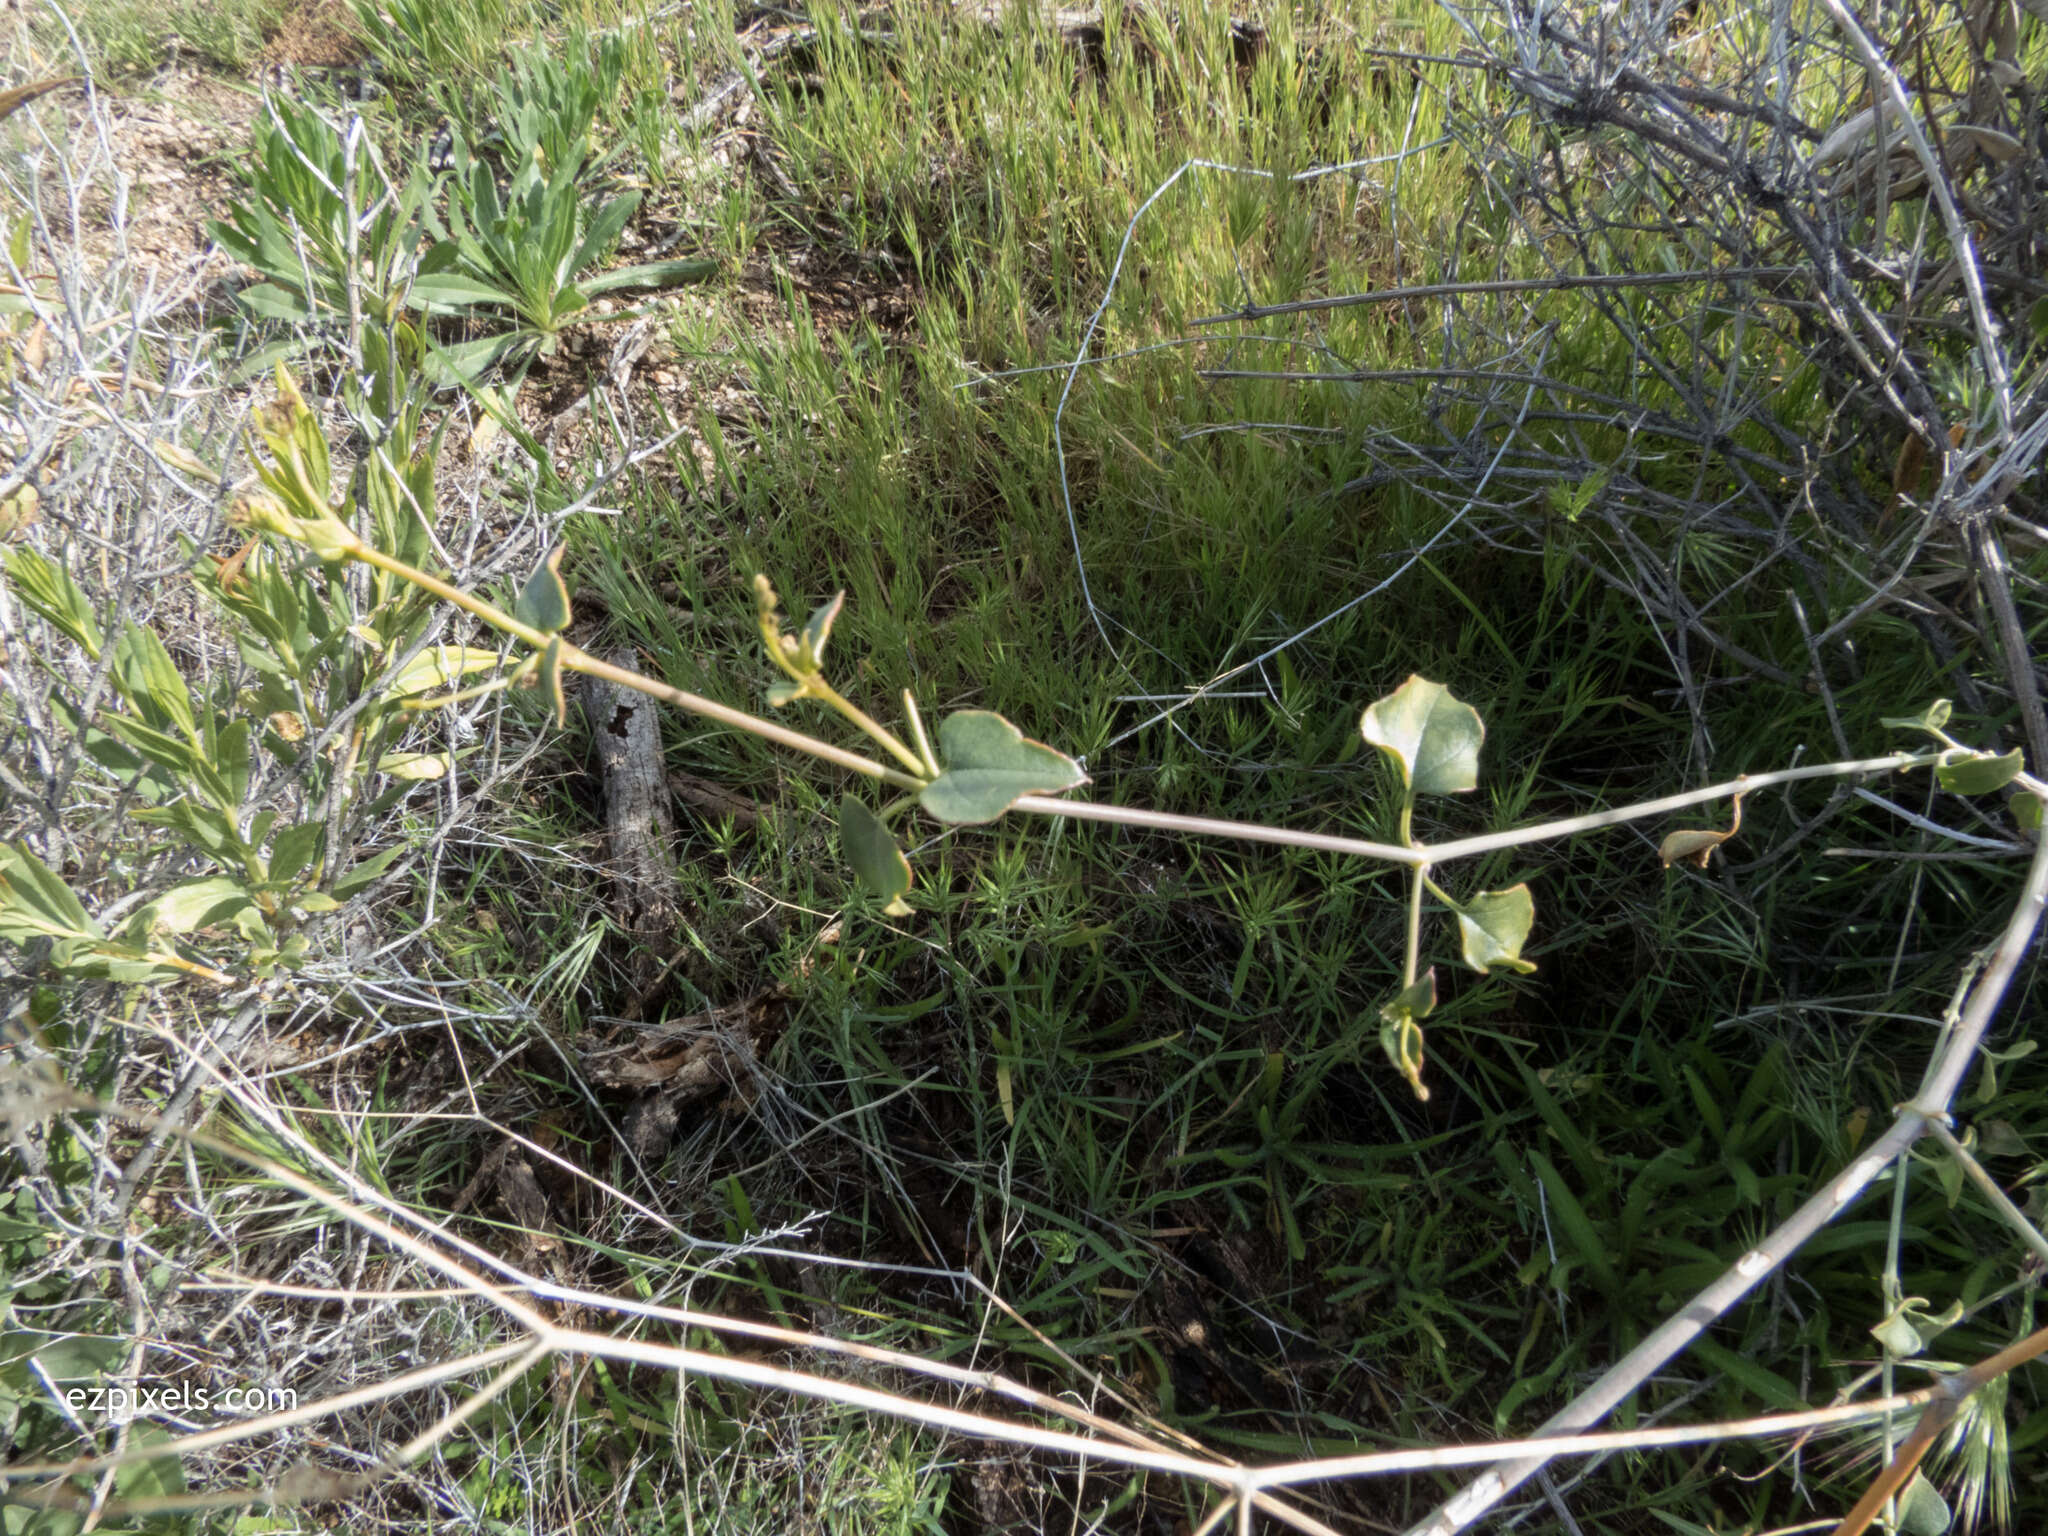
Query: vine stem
[
  {"x": 576, "y": 659},
  {"x": 1425, "y": 854},
  {"x": 1945, "y": 1073}
]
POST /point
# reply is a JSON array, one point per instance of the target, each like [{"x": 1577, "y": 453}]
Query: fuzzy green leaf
[
  {"x": 359, "y": 878},
  {"x": 295, "y": 849},
  {"x": 36, "y": 904},
  {"x": 441, "y": 666},
  {"x": 989, "y": 766},
  {"x": 543, "y": 603},
  {"x": 48, "y": 589},
  {"x": 1494, "y": 925},
  {"x": 871, "y": 849},
  {"x": 652, "y": 274},
  {"x": 148, "y": 679},
  {"x": 452, "y": 292},
  {"x": 195, "y": 904},
  {"x": 1432, "y": 737},
  {"x": 1982, "y": 774}
]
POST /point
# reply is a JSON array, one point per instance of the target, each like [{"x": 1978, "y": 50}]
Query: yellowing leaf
[
  {"x": 438, "y": 666},
  {"x": 1698, "y": 843}
]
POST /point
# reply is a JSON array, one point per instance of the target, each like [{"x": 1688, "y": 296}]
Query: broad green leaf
[
  {"x": 159, "y": 747},
  {"x": 1897, "y": 1333},
  {"x": 450, "y": 292},
  {"x": 652, "y": 274},
  {"x": 49, "y": 590},
  {"x": 784, "y": 692},
  {"x": 441, "y": 666},
  {"x": 1432, "y": 737},
  {"x": 1982, "y": 774},
  {"x": 2026, "y": 806},
  {"x": 295, "y": 849},
  {"x": 466, "y": 362},
  {"x": 150, "y": 680},
  {"x": 274, "y": 301},
  {"x": 543, "y": 603},
  {"x": 35, "y": 903},
  {"x": 161, "y": 1477},
  {"x": 1930, "y": 719},
  {"x": 231, "y": 759},
  {"x": 1922, "y": 1509},
  {"x": 603, "y": 229},
  {"x": 871, "y": 850},
  {"x": 196, "y": 904},
  {"x": 989, "y": 766},
  {"x": 1494, "y": 925},
  {"x": 360, "y": 877}
]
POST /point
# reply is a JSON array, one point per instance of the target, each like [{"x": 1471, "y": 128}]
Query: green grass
[
  {"x": 135, "y": 37},
  {"x": 1102, "y": 1068},
  {"x": 1132, "y": 1082}
]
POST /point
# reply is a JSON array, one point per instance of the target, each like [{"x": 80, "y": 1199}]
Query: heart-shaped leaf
[
  {"x": 1401, "y": 1036},
  {"x": 1494, "y": 925},
  {"x": 1982, "y": 774},
  {"x": 1922, "y": 1509},
  {"x": 543, "y": 603},
  {"x": 35, "y": 903},
  {"x": 872, "y": 851},
  {"x": 2026, "y": 810},
  {"x": 1431, "y": 736},
  {"x": 989, "y": 766}
]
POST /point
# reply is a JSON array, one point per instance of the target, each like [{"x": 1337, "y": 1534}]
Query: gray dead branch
[{"x": 625, "y": 732}]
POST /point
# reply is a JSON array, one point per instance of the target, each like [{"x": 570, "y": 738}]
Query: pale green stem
[
  {"x": 1467, "y": 847},
  {"x": 1415, "y": 924},
  {"x": 924, "y": 742},
  {"x": 1414, "y": 855},
  {"x": 575, "y": 659},
  {"x": 2000, "y": 1200},
  {"x": 816, "y": 687}
]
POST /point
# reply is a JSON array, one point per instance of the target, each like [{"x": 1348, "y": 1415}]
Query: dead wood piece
[
  {"x": 682, "y": 1060},
  {"x": 625, "y": 729},
  {"x": 713, "y": 802},
  {"x": 688, "y": 1056}
]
